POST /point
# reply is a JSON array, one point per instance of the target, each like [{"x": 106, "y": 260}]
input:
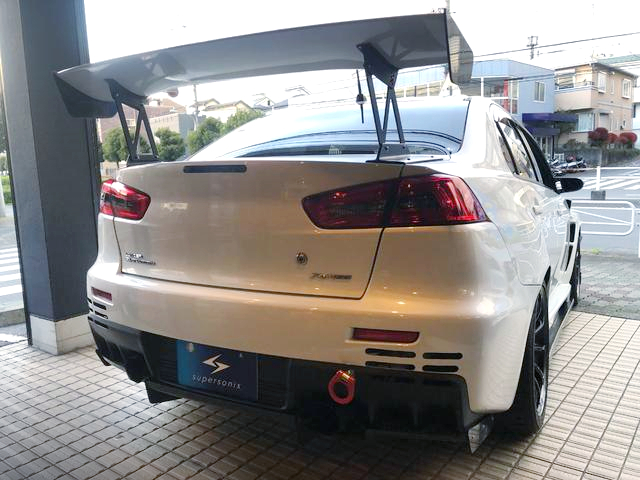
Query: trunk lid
[{"x": 240, "y": 224}]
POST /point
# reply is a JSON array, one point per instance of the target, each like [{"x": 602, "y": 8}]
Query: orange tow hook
[{"x": 348, "y": 381}]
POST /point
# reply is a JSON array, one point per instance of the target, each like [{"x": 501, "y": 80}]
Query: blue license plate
[{"x": 218, "y": 370}]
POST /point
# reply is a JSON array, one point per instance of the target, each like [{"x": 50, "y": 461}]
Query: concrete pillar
[{"x": 54, "y": 167}]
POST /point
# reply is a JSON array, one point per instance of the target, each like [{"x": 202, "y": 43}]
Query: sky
[{"x": 118, "y": 27}]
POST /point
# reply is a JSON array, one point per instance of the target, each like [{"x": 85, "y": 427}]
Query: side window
[
  {"x": 505, "y": 151},
  {"x": 519, "y": 152},
  {"x": 540, "y": 159}
]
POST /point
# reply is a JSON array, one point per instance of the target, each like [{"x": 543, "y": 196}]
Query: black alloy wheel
[
  {"x": 540, "y": 355},
  {"x": 526, "y": 414},
  {"x": 576, "y": 277}
]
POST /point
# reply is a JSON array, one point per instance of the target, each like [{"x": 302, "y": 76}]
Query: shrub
[
  {"x": 599, "y": 136},
  {"x": 627, "y": 139},
  {"x": 6, "y": 189}
]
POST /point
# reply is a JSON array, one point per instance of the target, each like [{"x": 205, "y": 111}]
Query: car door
[
  {"x": 541, "y": 201},
  {"x": 559, "y": 238}
]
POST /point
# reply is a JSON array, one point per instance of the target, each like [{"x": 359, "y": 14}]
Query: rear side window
[{"x": 519, "y": 153}]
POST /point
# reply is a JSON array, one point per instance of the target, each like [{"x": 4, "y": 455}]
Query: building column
[{"x": 54, "y": 168}]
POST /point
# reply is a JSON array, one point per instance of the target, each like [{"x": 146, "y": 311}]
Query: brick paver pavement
[
  {"x": 70, "y": 417},
  {"x": 611, "y": 285}
]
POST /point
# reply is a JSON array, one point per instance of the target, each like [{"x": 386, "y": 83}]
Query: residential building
[
  {"x": 181, "y": 123},
  {"x": 518, "y": 87},
  {"x": 526, "y": 91},
  {"x": 266, "y": 105},
  {"x": 631, "y": 64},
  {"x": 155, "y": 108},
  {"x": 599, "y": 95},
  {"x": 222, "y": 111}
]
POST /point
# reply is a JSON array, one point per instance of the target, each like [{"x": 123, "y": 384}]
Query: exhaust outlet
[{"x": 342, "y": 387}]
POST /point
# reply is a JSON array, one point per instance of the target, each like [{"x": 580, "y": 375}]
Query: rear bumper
[
  {"x": 412, "y": 402},
  {"x": 456, "y": 286}
]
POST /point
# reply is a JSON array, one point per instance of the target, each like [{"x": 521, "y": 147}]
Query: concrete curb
[{"x": 12, "y": 317}]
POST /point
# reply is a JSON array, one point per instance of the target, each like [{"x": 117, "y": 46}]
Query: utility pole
[
  {"x": 196, "y": 112},
  {"x": 533, "y": 43}
]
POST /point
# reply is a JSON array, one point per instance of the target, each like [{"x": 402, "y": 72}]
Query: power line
[
  {"x": 528, "y": 48},
  {"x": 559, "y": 44},
  {"x": 349, "y": 82}
]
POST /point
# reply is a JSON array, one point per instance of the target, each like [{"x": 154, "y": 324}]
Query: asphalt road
[
  {"x": 10, "y": 281},
  {"x": 619, "y": 184}
]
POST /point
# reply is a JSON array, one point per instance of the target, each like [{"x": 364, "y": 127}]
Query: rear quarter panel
[{"x": 505, "y": 198}]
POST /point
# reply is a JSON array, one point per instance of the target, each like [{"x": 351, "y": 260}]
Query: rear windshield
[{"x": 429, "y": 130}]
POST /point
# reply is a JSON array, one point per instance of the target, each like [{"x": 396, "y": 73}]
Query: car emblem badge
[
  {"x": 217, "y": 366},
  {"x": 301, "y": 258},
  {"x": 135, "y": 257}
]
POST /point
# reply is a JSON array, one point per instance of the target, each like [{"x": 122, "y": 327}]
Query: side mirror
[{"x": 565, "y": 185}]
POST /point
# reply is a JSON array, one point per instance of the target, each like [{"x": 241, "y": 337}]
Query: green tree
[
  {"x": 210, "y": 129},
  {"x": 171, "y": 145},
  {"x": 100, "y": 154},
  {"x": 240, "y": 118},
  {"x": 114, "y": 147}
]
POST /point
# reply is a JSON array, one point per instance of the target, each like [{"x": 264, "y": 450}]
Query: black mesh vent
[
  {"x": 161, "y": 352},
  {"x": 272, "y": 380}
]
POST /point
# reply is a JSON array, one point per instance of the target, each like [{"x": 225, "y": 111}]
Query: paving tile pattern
[
  {"x": 70, "y": 417},
  {"x": 611, "y": 285}
]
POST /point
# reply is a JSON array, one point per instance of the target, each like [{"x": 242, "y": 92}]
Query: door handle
[{"x": 537, "y": 209}]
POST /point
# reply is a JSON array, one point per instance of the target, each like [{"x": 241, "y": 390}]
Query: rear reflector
[
  {"x": 100, "y": 293},
  {"x": 424, "y": 200},
  {"x": 392, "y": 336},
  {"x": 123, "y": 201}
]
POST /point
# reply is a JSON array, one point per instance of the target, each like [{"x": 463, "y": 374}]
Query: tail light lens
[
  {"x": 425, "y": 200},
  {"x": 123, "y": 201}
]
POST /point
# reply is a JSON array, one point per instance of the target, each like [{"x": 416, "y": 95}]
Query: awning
[
  {"x": 549, "y": 117},
  {"x": 405, "y": 42},
  {"x": 543, "y": 131}
]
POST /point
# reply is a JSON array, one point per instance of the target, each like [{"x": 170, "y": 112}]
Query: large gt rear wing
[{"x": 382, "y": 46}]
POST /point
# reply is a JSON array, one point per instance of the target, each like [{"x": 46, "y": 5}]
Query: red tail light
[
  {"x": 123, "y": 201},
  {"x": 405, "y": 202},
  {"x": 393, "y": 336}
]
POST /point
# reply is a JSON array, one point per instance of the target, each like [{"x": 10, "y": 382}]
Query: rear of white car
[{"x": 257, "y": 280}]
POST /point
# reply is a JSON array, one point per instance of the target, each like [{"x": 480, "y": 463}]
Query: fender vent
[
  {"x": 442, "y": 356},
  {"x": 97, "y": 309},
  {"x": 389, "y": 353},
  {"x": 394, "y": 366}
]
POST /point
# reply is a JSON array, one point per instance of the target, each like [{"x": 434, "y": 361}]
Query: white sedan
[
  {"x": 305, "y": 264},
  {"x": 257, "y": 276}
]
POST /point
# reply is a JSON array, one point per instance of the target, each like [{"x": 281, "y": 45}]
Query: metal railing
[{"x": 608, "y": 217}]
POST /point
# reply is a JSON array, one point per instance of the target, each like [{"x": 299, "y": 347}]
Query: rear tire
[
  {"x": 576, "y": 277},
  {"x": 526, "y": 415}
]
